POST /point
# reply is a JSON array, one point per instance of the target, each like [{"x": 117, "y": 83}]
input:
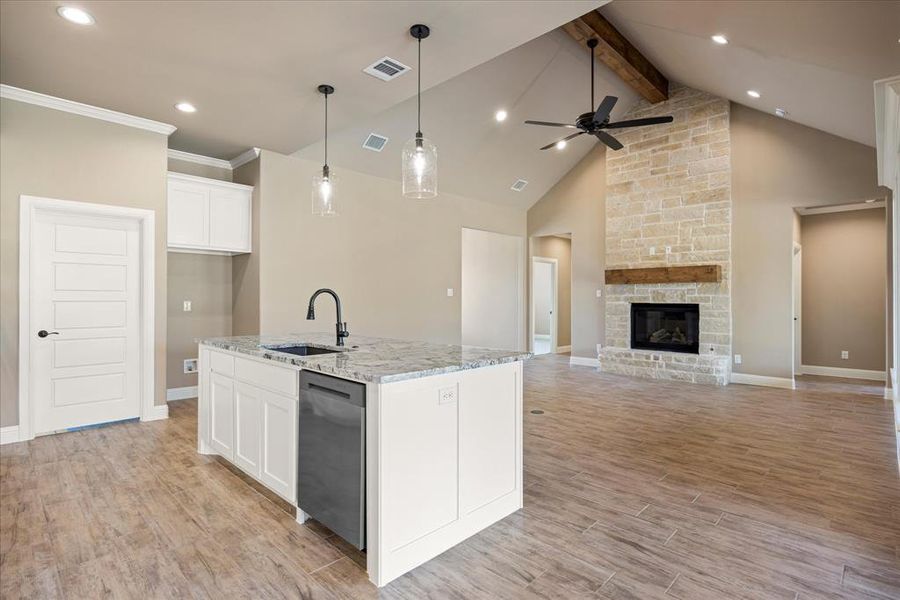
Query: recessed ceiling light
[
  {"x": 500, "y": 115},
  {"x": 561, "y": 144},
  {"x": 75, "y": 15},
  {"x": 753, "y": 93},
  {"x": 186, "y": 107},
  {"x": 720, "y": 39}
]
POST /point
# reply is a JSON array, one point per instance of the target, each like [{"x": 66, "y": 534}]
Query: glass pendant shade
[
  {"x": 324, "y": 188},
  {"x": 419, "y": 169}
]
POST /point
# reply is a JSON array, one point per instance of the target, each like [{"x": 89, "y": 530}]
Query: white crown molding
[
  {"x": 244, "y": 158},
  {"x": 199, "y": 159},
  {"x": 843, "y": 372},
  {"x": 85, "y": 110},
  {"x": 763, "y": 380}
]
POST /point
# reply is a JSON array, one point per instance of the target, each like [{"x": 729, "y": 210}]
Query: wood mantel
[{"x": 688, "y": 274}]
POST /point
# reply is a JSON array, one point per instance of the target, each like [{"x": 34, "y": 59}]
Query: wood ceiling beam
[{"x": 617, "y": 53}]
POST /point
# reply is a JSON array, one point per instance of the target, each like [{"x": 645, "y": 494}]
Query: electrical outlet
[
  {"x": 845, "y": 354},
  {"x": 449, "y": 292},
  {"x": 447, "y": 395},
  {"x": 187, "y": 306},
  {"x": 668, "y": 249},
  {"x": 599, "y": 293},
  {"x": 190, "y": 365},
  {"x": 652, "y": 250},
  {"x": 598, "y": 348},
  {"x": 737, "y": 359}
]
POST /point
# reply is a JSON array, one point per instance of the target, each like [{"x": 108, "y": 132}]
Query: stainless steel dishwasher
[{"x": 331, "y": 459}]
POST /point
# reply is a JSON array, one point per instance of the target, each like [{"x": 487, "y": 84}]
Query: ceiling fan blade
[
  {"x": 639, "y": 122},
  {"x": 602, "y": 112},
  {"x": 609, "y": 140},
  {"x": 565, "y": 139},
  {"x": 549, "y": 124}
]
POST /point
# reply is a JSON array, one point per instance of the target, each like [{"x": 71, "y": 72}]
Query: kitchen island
[{"x": 441, "y": 432}]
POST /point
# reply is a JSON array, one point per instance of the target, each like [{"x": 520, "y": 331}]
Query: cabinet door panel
[
  {"x": 229, "y": 227},
  {"x": 247, "y": 428},
  {"x": 188, "y": 214},
  {"x": 279, "y": 446},
  {"x": 221, "y": 415}
]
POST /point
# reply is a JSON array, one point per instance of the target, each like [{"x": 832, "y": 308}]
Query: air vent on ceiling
[
  {"x": 386, "y": 69},
  {"x": 375, "y": 142},
  {"x": 519, "y": 185}
]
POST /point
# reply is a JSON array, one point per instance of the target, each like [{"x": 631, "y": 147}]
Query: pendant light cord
[
  {"x": 419, "y": 93},
  {"x": 326, "y": 130},
  {"x": 592, "y": 79}
]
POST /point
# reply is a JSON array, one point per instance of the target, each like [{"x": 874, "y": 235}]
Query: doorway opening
[
  {"x": 840, "y": 292},
  {"x": 550, "y": 293}
]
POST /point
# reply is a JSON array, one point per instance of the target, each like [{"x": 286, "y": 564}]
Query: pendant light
[
  {"x": 419, "y": 154},
  {"x": 324, "y": 185}
]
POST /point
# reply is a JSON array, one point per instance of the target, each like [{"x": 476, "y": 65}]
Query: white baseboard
[
  {"x": 9, "y": 435},
  {"x": 561, "y": 349},
  {"x": 763, "y": 380},
  {"x": 842, "y": 372},
  {"x": 158, "y": 412},
  {"x": 888, "y": 393},
  {"x": 181, "y": 393},
  {"x": 580, "y": 361}
]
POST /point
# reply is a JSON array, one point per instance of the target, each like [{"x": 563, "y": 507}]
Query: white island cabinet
[{"x": 443, "y": 434}]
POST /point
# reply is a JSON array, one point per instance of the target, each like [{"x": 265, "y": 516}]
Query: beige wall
[
  {"x": 576, "y": 205},
  {"x": 192, "y": 168},
  {"x": 54, "y": 154},
  {"x": 390, "y": 259},
  {"x": 844, "y": 266},
  {"x": 245, "y": 267},
  {"x": 205, "y": 280},
  {"x": 778, "y": 165},
  {"x": 560, "y": 248}
]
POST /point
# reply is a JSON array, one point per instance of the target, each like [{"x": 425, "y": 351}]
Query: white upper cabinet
[{"x": 207, "y": 215}]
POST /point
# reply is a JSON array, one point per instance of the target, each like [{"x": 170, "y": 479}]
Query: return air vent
[
  {"x": 386, "y": 69},
  {"x": 519, "y": 185},
  {"x": 375, "y": 142}
]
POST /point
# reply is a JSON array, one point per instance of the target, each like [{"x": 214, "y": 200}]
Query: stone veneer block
[{"x": 671, "y": 186}]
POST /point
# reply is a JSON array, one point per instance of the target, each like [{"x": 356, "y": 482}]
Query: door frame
[
  {"x": 797, "y": 307},
  {"x": 28, "y": 209},
  {"x": 554, "y": 302}
]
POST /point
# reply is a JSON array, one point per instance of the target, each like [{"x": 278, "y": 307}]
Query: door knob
[{"x": 44, "y": 333}]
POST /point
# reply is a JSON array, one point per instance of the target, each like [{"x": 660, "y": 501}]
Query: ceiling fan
[{"x": 594, "y": 123}]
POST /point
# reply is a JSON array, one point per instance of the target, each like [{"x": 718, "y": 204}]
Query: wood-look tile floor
[{"x": 634, "y": 489}]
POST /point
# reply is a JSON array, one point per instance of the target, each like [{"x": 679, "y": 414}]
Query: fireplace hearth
[{"x": 668, "y": 327}]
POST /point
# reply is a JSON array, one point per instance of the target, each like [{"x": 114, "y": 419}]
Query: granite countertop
[{"x": 371, "y": 359}]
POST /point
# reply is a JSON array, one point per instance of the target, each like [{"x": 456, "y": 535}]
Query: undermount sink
[{"x": 302, "y": 350}]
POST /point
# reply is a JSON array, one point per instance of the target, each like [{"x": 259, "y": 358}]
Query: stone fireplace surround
[{"x": 669, "y": 204}]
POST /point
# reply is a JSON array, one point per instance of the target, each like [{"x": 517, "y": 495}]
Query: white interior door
[
  {"x": 797, "y": 275},
  {"x": 492, "y": 289},
  {"x": 85, "y": 359},
  {"x": 543, "y": 305}
]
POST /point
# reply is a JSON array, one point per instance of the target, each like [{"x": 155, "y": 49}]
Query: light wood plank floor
[{"x": 635, "y": 489}]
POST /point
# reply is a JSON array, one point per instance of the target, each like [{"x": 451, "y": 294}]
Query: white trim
[
  {"x": 888, "y": 393},
  {"x": 9, "y": 435},
  {"x": 821, "y": 210},
  {"x": 244, "y": 158},
  {"x": 563, "y": 349},
  {"x": 28, "y": 206},
  {"x": 763, "y": 380},
  {"x": 181, "y": 393},
  {"x": 580, "y": 361},
  {"x": 199, "y": 159},
  {"x": 208, "y": 181},
  {"x": 85, "y": 110},
  {"x": 554, "y": 293},
  {"x": 843, "y": 372}
]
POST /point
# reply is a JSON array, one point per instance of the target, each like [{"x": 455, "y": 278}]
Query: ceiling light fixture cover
[
  {"x": 561, "y": 144},
  {"x": 419, "y": 158},
  {"x": 75, "y": 15},
  {"x": 501, "y": 115},
  {"x": 720, "y": 39},
  {"x": 753, "y": 93},
  {"x": 324, "y": 201},
  {"x": 186, "y": 107}
]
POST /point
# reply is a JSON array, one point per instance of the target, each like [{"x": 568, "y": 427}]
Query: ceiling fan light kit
[
  {"x": 593, "y": 123},
  {"x": 419, "y": 157}
]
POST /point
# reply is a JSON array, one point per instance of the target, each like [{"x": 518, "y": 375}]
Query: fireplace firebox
[{"x": 670, "y": 327}]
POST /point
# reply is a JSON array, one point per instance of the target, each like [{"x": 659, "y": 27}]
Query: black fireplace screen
[{"x": 671, "y": 327}]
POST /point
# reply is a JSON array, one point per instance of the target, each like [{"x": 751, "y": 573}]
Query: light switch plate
[
  {"x": 737, "y": 359},
  {"x": 652, "y": 250},
  {"x": 845, "y": 354},
  {"x": 599, "y": 293},
  {"x": 187, "y": 306},
  {"x": 449, "y": 292},
  {"x": 668, "y": 249},
  {"x": 447, "y": 395}
]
